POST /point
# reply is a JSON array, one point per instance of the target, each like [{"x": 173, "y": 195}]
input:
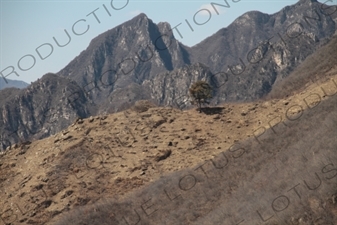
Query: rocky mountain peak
[
  {"x": 141, "y": 15},
  {"x": 141, "y": 20},
  {"x": 164, "y": 27},
  {"x": 306, "y": 1},
  {"x": 140, "y": 60}
]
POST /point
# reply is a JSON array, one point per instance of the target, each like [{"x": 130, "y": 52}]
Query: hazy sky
[{"x": 26, "y": 25}]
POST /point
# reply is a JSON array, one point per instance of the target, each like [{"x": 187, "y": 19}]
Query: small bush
[{"x": 201, "y": 93}]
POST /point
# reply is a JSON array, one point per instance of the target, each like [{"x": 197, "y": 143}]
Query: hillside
[
  {"x": 285, "y": 178},
  {"x": 136, "y": 152},
  {"x": 142, "y": 60},
  {"x": 111, "y": 156}
]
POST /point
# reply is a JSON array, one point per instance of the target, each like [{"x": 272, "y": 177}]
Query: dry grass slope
[
  {"x": 287, "y": 178},
  {"x": 143, "y": 164}
]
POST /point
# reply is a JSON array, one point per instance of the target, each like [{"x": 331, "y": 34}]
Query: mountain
[
  {"x": 287, "y": 177},
  {"x": 311, "y": 70},
  {"x": 134, "y": 47},
  {"x": 245, "y": 59},
  {"x": 12, "y": 83},
  {"x": 40, "y": 110},
  {"x": 181, "y": 167},
  {"x": 258, "y": 49},
  {"x": 141, "y": 60}
]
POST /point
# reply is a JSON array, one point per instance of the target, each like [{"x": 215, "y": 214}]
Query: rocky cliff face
[
  {"x": 40, "y": 110},
  {"x": 257, "y": 49},
  {"x": 124, "y": 57},
  {"x": 246, "y": 58},
  {"x": 171, "y": 88}
]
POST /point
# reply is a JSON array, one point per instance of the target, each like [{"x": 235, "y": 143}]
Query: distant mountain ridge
[
  {"x": 12, "y": 84},
  {"x": 267, "y": 46},
  {"x": 140, "y": 60}
]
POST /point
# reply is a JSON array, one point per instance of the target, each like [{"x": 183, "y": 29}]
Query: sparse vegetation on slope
[{"x": 105, "y": 156}]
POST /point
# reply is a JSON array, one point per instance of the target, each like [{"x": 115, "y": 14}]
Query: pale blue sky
[{"x": 26, "y": 25}]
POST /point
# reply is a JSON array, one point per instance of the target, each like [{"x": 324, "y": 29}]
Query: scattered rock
[
  {"x": 163, "y": 156},
  {"x": 87, "y": 131},
  {"x": 157, "y": 121},
  {"x": 134, "y": 169},
  {"x": 68, "y": 193},
  {"x": 37, "y": 187},
  {"x": 45, "y": 204},
  {"x": 23, "y": 220},
  {"x": 118, "y": 180},
  {"x": 334, "y": 199},
  {"x": 146, "y": 115},
  {"x": 26, "y": 143},
  {"x": 80, "y": 121},
  {"x": 243, "y": 113},
  {"x": 22, "y": 152},
  {"x": 142, "y": 106},
  {"x": 170, "y": 143},
  {"x": 216, "y": 117},
  {"x": 32, "y": 214},
  {"x": 81, "y": 201},
  {"x": 91, "y": 119},
  {"x": 67, "y": 137}
]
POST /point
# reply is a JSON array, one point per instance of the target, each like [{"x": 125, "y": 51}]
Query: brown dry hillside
[
  {"x": 269, "y": 162},
  {"x": 288, "y": 177},
  {"x": 111, "y": 156}
]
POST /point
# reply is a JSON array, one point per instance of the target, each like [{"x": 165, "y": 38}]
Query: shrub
[{"x": 201, "y": 93}]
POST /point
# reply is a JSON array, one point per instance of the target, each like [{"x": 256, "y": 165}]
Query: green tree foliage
[{"x": 201, "y": 93}]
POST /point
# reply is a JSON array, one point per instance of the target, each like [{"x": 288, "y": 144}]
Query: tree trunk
[{"x": 199, "y": 106}]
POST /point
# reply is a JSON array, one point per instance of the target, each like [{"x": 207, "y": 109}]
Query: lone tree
[{"x": 201, "y": 93}]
